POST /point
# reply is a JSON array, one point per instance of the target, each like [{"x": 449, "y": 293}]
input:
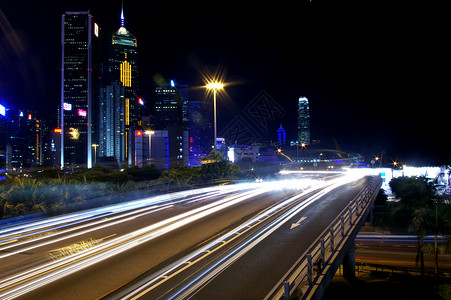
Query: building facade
[
  {"x": 237, "y": 153},
  {"x": 281, "y": 137},
  {"x": 24, "y": 140},
  {"x": 303, "y": 121},
  {"x": 112, "y": 139},
  {"x": 80, "y": 78},
  {"x": 123, "y": 67},
  {"x": 200, "y": 124},
  {"x": 164, "y": 149},
  {"x": 119, "y": 113},
  {"x": 3, "y": 137},
  {"x": 168, "y": 108}
]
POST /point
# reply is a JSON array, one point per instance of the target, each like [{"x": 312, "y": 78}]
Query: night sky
[{"x": 374, "y": 73}]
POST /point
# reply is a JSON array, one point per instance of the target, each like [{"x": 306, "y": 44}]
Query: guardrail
[{"x": 307, "y": 271}]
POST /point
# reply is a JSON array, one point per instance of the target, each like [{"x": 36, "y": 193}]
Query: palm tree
[
  {"x": 419, "y": 225},
  {"x": 418, "y": 197}
]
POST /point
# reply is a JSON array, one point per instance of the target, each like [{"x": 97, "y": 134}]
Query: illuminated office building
[
  {"x": 168, "y": 107},
  {"x": 119, "y": 104},
  {"x": 112, "y": 123},
  {"x": 169, "y": 117},
  {"x": 3, "y": 137},
  {"x": 200, "y": 124},
  {"x": 80, "y": 76},
  {"x": 24, "y": 140},
  {"x": 303, "y": 121},
  {"x": 281, "y": 137}
]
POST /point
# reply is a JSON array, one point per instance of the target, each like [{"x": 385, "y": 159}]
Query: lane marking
[
  {"x": 294, "y": 225},
  {"x": 8, "y": 242}
]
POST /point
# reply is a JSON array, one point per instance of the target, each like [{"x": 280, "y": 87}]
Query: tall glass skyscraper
[
  {"x": 303, "y": 121},
  {"x": 112, "y": 122},
  {"x": 119, "y": 105},
  {"x": 80, "y": 73}
]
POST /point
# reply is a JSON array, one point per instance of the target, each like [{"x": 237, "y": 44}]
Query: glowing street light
[
  {"x": 214, "y": 86},
  {"x": 95, "y": 152}
]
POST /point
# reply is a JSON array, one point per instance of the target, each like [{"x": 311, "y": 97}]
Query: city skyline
[{"x": 362, "y": 72}]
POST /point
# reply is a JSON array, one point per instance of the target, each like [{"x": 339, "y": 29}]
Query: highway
[
  {"x": 175, "y": 245},
  {"x": 400, "y": 251}
]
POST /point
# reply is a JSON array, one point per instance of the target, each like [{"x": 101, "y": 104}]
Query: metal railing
[{"x": 307, "y": 271}]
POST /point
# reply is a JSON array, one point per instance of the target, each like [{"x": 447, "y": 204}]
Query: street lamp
[
  {"x": 149, "y": 133},
  {"x": 95, "y": 152},
  {"x": 214, "y": 86},
  {"x": 297, "y": 149}
]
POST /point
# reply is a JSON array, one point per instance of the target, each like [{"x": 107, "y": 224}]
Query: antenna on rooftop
[{"x": 122, "y": 15}]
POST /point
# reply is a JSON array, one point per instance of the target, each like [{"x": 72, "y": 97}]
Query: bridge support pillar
[{"x": 349, "y": 264}]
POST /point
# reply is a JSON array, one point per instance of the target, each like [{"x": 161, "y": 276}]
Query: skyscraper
[
  {"x": 119, "y": 105},
  {"x": 80, "y": 74},
  {"x": 24, "y": 140},
  {"x": 200, "y": 126},
  {"x": 168, "y": 107},
  {"x": 281, "y": 137},
  {"x": 168, "y": 117},
  {"x": 3, "y": 137},
  {"x": 303, "y": 121},
  {"x": 112, "y": 122}
]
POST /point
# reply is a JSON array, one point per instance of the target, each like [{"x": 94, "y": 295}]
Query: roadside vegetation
[
  {"x": 419, "y": 210},
  {"x": 51, "y": 192}
]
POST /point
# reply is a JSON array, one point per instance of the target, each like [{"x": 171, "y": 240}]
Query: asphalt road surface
[
  {"x": 400, "y": 251},
  {"x": 207, "y": 243}
]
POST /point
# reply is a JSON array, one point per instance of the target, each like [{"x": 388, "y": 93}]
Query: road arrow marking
[{"x": 294, "y": 225}]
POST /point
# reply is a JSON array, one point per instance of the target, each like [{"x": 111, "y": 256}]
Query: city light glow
[
  {"x": 126, "y": 74},
  {"x": 82, "y": 112},
  {"x": 215, "y": 85},
  {"x": 74, "y": 134},
  {"x": 67, "y": 106}
]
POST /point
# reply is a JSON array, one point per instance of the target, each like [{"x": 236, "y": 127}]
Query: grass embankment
[{"x": 53, "y": 192}]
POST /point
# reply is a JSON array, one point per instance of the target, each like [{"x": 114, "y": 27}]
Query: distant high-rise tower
[
  {"x": 24, "y": 140},
  {"x": 119, "y": 104},
  {"x": 281, "y": 137},
  {"x": 303, "y": 121},
  {"x": 123, "y": 66},
  {"x": 80, "y": 73},
  {"x": 200, "y": 127},
  {"x": 168, "y": 107},
  {"x": 112, "y": 122}
]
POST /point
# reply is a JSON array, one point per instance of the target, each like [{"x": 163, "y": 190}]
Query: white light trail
[
  {"x": 49, "y": 271},
  {"x": 167, "y": 273},
  {"x": 53, "y": 270}
]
